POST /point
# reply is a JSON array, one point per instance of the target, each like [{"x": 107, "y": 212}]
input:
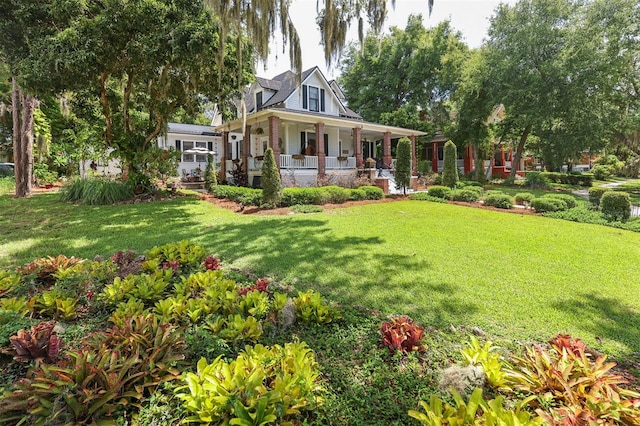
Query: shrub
[
  {"x": 615, "y": 206},
  {"x": 601, "y": 172},
  {"x": 210, "y": 174},
  {"x": 403, "y": 164},
  {"x": 467, "y": 195},
  {"x": 306, "y": 208},
  {"x": 373, "y": 192},
  {"x": 96, "y": 191},
  {"x": 402, "y": 334},
  {"x": 524, "y": 197},
  {"x": 499, "y": 200},
  {"x": 424, "y": 167},
  {"x": 357, "y": 195},
  {"x": 579, "y": 214},
  {"x": 336, "y": 194},
  {"x": 443, "y": 192},
  {"x": 595, "y": 194},
  {"x": 293, "y": 196},
  {"x": 239, "y": 194},
  {"x": 271, "y": 183},
  {"x": 536, "y": 180},
  {"x": 450, "y": 167},
  {"x": 568, "y": 199},
  {"x": 263, "y": 385},
  {"x": 423, "y": 196},
  {"x": 548, "y": 204}
]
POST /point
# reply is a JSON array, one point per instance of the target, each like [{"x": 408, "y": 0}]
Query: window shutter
[
  {"x": 304, "y": 97},
  {"x": 178, "y": 145},
  {"x": 322, "y": 100},
  {"x": 326, "y": 144},
  {"x": 210, "y": 146},
  {"x": 303, "y": 142}
]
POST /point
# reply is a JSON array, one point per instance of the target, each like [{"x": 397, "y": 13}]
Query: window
[
  {"x": 191, "y": 157},
  {"x": 258, "y": 101},
  {"x": 313, "y": 98}
]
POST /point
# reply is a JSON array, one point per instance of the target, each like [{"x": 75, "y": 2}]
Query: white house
[{"x": 310, "y": 129}]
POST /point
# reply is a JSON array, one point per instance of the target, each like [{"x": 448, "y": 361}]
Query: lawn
[{"x": 517, "y": 277}]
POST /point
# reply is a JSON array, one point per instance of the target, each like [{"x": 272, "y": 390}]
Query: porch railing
[
  {"x": 304, "y": 162},
  {"x": 340, "y": 162}
]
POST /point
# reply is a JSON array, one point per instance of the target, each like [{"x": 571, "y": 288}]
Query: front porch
[{"x": 308, "y": 146}]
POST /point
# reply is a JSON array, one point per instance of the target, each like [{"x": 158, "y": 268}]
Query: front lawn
[{"x": 516, "y": 277}]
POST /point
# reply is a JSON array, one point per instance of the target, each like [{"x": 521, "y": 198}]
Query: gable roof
[
  {"x": 285, "y": 84},
  {"x": 191, "y": 129}
]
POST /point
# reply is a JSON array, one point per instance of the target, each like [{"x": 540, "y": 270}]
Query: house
[{"x": 312, "y": 132}]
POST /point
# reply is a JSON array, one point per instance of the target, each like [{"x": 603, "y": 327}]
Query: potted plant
[{"x": 298, "y": 156}]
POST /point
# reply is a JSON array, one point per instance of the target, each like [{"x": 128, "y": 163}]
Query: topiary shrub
[
  {"x": 403, "y": 164},
  {"x": 357, "y": 195},
  {"x": 465, "y": 194},
  {"x": 239, "y": 194},
  {"x": 210, "y": 174},
  {"x": 595, "y": 194},
  {"x": 271, "y": 183},
  {"x": 523, "y": 197},
  {"x": 441, "y": 192},
  {"x": 499, "y": 200},
  {"x": 548, "y": 204},
  {"x": 450, "y": 167},
  {"x": 570, "y": 200},
  {"x": 615, "y": 206},
  {"x": 536, "y": 180}
]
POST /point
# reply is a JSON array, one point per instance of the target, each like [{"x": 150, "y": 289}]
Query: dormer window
[
  {"x": 313, "y": 98},
  {"x": 258, "y": 101}
]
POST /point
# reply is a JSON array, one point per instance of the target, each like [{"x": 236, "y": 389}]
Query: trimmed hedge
[
  {"x": 616, "y": 206},
  {"x": 465, "y": 194},
  {"x": 239, "y": 194},
  {"x": 443, "y": 192},
  {"x": 499, "y": 200},
  {"x": 524, "y": 197},
  {"x": 581, "y": 179},
  {"x": 570, "y": 200},
  {"x": 329, "y": 194},
  {"x": 536, "y": 180},
  {"x": 423, "y": 196},
  {"x": 595, "y": 194},
  {"x": 548, "y": 204}
]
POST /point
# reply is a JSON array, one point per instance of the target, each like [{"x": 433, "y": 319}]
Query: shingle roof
[{"x": 192, "y": 129}]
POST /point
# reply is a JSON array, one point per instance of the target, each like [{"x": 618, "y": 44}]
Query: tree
[
  {"x": 546, "y": 69},
  {"x": 425, "y": 64},
  {"x": 403, "y": 164},
  {"x": 140, "y": 60},
  {"x": 450, "y": 166},
  {"x": 271, "y": 182}
]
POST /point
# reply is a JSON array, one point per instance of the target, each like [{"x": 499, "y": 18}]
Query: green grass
[{"x": 516, "y": 277}]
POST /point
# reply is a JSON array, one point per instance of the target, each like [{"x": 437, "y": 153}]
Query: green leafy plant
[
  {"x": 443, "y": 192},
  {"x": 186, "y": 253},
  {"x": 535, "y": 180},
  {"x": 423, "y": 196},
  {"x": 235, "y": 328},
  {"x": 466, "y": 195},
  {"x": 402, "y": 334},
  {"x": 499, "y": 200},
  {"x": 54, "y": 304},
  {"x": 40, "y": 343},
  {"x": 491, "y": 362},
  {"x": 96, "y": 191},
  {"x": 524, "y": 197},
  {"x": 568, "y": 199},
  {"x": 44, "y": 268},
  {"x": 475, "y": 411},
  {"x": 595, "y": 194},
  {"x": 263, "y": 385},
  {"x": 271, "y": 183},
  {"x": 548, "y": 204},
  {"x": 9, "y": 282},
  {"x": 311, "y": 308},
  {"x": 19, "y": 305}
]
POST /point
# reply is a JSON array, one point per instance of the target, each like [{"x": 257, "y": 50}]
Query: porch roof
[{"x": 369, "y": 130}]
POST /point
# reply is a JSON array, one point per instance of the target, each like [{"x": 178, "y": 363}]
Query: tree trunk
[
  {"x": 476, "y": 161},
  {"x": 519, "y": 150},
  {"x": 22, "y": 109}
]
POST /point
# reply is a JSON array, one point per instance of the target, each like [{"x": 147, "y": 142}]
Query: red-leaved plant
[
  {"x": 262, "y": 284},
  {"x": 211, "y": 263},
  {"x": 572, "y": 345},
  {"x": 39, "y": 343},
  {"x": 402, "y": 334}
]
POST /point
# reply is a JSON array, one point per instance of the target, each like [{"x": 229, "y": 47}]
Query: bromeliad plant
[
  {"x": 187, "y": 254},
  {"x": 263, "y": 385},
  {"x": 402, "y": 334},
  {"x": 40, "y": 343},
  {"x": 491, "y": 362},
  {"x": 310, "y": 308}
]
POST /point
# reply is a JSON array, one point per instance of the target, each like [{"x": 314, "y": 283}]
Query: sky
[{"x": 470, "y": 17}]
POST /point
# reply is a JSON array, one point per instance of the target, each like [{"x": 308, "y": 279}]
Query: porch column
[
  {"x": 414, "y": 157},
  {"x": 223, "y": 162},
  {"x": 274, "y": 138},
  {"x": 468, "y": 159},
  {"x": 246, "y": 148},
  {"x": 357, "y": 145},
  {"x": 434, "y": 157},
  {"x": 322, "y": 161},
  {"x": 386, "y": 149}
]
